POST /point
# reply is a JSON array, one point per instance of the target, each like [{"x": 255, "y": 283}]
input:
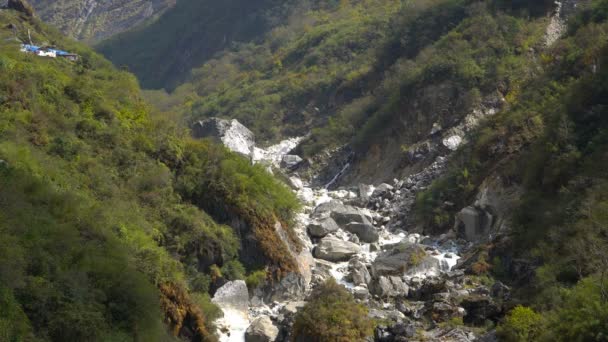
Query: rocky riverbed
[{"x": 359, "y": 236}]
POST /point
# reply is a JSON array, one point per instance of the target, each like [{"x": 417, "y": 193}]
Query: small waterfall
[{"x": 337, "y": 176}]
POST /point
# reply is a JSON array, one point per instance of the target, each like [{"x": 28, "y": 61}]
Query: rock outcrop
[
  {"x": 230, "y": 133},
  {"x": 21, "y": 6}
]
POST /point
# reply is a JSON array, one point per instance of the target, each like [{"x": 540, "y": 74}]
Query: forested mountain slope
[
  {"x": 518, "y": 93},
  {"x": 93, "y": 20},
  {"x": 163, "y": 53},
  {"x": 103, "y": 235},
  {"x": 371, "y": 73}
]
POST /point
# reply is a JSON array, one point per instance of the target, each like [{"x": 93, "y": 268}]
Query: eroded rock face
[
  {"x": 21, "y": 6},
  {"x": 182, "y": 315},
  {"x": 333, "y": 249},
  {"x": 261, "y": 330},
  {"x": 230, "y": 133}
]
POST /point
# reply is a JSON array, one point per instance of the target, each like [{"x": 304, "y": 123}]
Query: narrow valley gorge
[{"x": 304, "y": 170}]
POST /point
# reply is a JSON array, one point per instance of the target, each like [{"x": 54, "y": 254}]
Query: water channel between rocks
[{"x": 236, "y": 320}]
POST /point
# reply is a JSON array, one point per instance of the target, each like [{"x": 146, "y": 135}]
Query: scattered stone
[{"x": 382, "y": 190}]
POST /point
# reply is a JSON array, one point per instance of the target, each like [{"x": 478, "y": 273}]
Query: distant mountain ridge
[
  {"x": 163, "y": 53},
  {"x": 93, "y": 20}
]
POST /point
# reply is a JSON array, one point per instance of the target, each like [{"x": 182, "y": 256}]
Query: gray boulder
[
  {"x": 398, "y": 260},
  {"x": 333, "y": 249},
  {"x": 474, "y": 223},
  {"x": 358, "y": 272},
  {"x": 261, "y": 330},
  {"x": 365, "y": 191},
  {"x": 320, "y": 228},
  {"x": 382, "y": 190},
  {"x": 361, "y": 292},
  {"x": 390, "y": 286},
  {"x": 365, "y": 232},
  {"x": 290, "y": 161},
  {"x": 233, "y": 294},
  {"x": 342, "y": 214},
  {"x": 230, "y": 133}
]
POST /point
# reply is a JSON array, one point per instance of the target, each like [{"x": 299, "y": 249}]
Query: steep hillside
[
  {"x": 93, "y": 20},
  {"x": 163, "y": 53},
  {"x": 375, "y": 74},
  {"x": 103, "y": 234},
  {"x": 510, "y": 99},
  {"x": 548, "y": 148}
]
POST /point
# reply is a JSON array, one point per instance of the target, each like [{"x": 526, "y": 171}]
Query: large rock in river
[
  {"x": 233, "y": 294},
  {"x": 261, "y": 330},
  {"x": 231, "y": 133},
  {"x": 321, "y": 227},
  {"x": 342, "y": 214},
  {"x": 334, "y": 250},
  {"x": 399, "y": 260},
  {"x": 365, "y": 232}
]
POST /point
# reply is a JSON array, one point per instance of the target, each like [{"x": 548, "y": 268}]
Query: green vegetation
[
  {"x": 551, "y": 142},
  {"x": 163, "y": 52},
  {"x": 521, "y": 324},
  {"x": 361, "y": 71},
  {"x": 102, "y": 232},
  {"x": 332, "y": 314}
]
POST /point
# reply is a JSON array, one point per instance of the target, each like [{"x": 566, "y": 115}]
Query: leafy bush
[
  {"x": 331, "y": 314},
  {"x": 520, "y": 324}
]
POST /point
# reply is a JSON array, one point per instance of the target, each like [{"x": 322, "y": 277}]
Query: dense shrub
[{"x": 332, "y": 314}]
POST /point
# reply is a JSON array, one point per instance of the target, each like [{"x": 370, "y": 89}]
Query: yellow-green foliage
[
  {"x": 95, "y": 208},
  {"x": 256, "y": 279},
  {"x": 332, "y": 314},
  {"x": 521, "y": 324}
]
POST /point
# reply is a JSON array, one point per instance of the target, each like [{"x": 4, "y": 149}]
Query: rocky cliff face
[{"x": 93, "y": 20}]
